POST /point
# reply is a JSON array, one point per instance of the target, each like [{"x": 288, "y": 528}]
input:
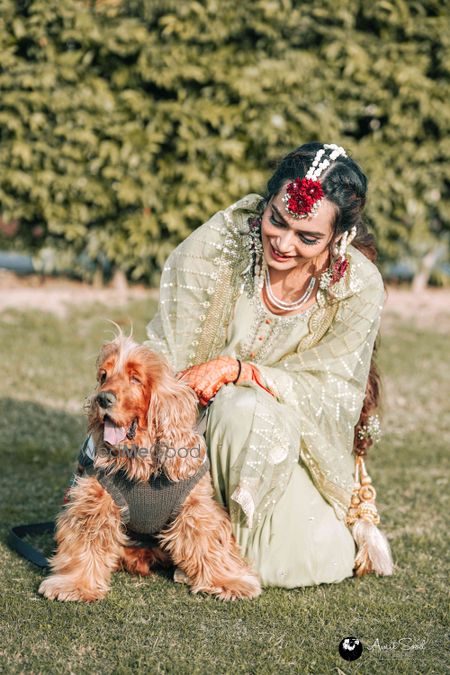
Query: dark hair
[{"x": 344, "y": 185}]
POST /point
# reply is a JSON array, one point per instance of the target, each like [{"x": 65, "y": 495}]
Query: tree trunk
[
  {"x": 97, "y": 279},
  {"x": 421, "y": 278},
  {"x": 119, "y": 282}
]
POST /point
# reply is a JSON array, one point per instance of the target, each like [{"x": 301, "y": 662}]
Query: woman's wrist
[
  {"x": 239, "y": 371},
  {"x": 245, "y": 374}
]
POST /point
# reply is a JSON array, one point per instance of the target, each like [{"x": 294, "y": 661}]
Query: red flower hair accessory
[{"x": 302, "y": 197}]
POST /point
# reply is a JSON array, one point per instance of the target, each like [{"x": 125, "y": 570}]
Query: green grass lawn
[{"x": 153, "y": 625}]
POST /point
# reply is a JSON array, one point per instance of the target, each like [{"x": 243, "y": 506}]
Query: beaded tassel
[{"x": 374, "y": 553}]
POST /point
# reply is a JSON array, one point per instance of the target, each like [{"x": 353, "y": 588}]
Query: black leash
[{"x": 17, "y": 543}]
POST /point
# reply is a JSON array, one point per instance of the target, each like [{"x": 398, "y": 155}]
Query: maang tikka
[{"x": 303, "y": 196}]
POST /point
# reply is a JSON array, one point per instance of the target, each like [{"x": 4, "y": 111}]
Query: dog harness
[{"x": 147, "y": 507}]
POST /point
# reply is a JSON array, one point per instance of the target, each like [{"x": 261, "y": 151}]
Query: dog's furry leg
[
  {"x": 90, "y": 537},
  {"x": 141, "y": 560},
  {"x": 200, "y": 542}
]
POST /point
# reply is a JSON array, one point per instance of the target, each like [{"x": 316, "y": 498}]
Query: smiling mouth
[{"x": 278, "y": 255}]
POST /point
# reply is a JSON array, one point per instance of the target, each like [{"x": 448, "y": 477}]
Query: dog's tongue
[{"x": 113, "y": 434}]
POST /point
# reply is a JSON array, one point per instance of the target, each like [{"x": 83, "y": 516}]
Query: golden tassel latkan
[{"x": 374, "y": 553}]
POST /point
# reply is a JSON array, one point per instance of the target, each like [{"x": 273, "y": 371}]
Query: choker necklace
[{"x": 281, "y": 304}]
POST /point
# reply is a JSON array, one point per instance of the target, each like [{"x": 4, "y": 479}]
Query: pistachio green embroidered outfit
[{"x": 282, "y": 464}]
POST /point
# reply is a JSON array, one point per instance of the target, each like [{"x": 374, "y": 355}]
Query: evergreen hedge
[{"x": 124, "y": 126}]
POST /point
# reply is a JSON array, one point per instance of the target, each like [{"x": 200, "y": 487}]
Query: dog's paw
[
  {"x": 239, "y": 588},
  {"x": 66, "y": 589},
  {"x": 246, "y": 587}
]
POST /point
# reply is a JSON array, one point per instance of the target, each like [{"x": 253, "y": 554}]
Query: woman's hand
[{"x": 207, "y": 378}]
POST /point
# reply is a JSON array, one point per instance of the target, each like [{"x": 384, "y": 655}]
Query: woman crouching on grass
[{"x": 270, "y": 311}]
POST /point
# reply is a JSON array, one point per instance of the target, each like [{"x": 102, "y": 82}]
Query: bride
[{"x": 270, "y": 311}]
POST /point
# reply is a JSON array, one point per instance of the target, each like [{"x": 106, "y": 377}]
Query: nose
[
  {"x": 284, "y": 244},
  {"x": 106, "y": 399}
]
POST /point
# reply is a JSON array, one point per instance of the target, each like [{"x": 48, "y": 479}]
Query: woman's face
[{"x": 295, "y": 239}]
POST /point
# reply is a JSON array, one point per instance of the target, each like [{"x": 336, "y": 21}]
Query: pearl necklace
[{"x": 281, "y": 304}]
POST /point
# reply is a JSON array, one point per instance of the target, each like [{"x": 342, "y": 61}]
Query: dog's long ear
[{"x": 172, "y": 415}]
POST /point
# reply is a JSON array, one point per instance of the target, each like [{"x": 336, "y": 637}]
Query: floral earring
[
  {"x": 253, "y": 243},
  {"x": 339, "y": 267}
]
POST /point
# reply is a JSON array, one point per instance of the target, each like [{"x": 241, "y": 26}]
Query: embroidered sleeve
[{"x": 325, "y": 386}]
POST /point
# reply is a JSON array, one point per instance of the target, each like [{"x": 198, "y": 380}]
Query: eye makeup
[{"x": 305, "y": 240}]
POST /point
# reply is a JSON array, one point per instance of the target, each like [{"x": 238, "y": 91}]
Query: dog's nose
[{"x": 106, "y": 399}]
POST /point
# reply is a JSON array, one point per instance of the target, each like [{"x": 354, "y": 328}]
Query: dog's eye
[
  {"x": 102, "y": 377},
  {"x": 135, "y": 380}
]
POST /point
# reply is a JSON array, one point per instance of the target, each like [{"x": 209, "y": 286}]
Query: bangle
[{"x": 239, "y": 371}]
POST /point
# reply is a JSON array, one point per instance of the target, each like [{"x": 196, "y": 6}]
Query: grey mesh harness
[{"x": 147, "y": 507}]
